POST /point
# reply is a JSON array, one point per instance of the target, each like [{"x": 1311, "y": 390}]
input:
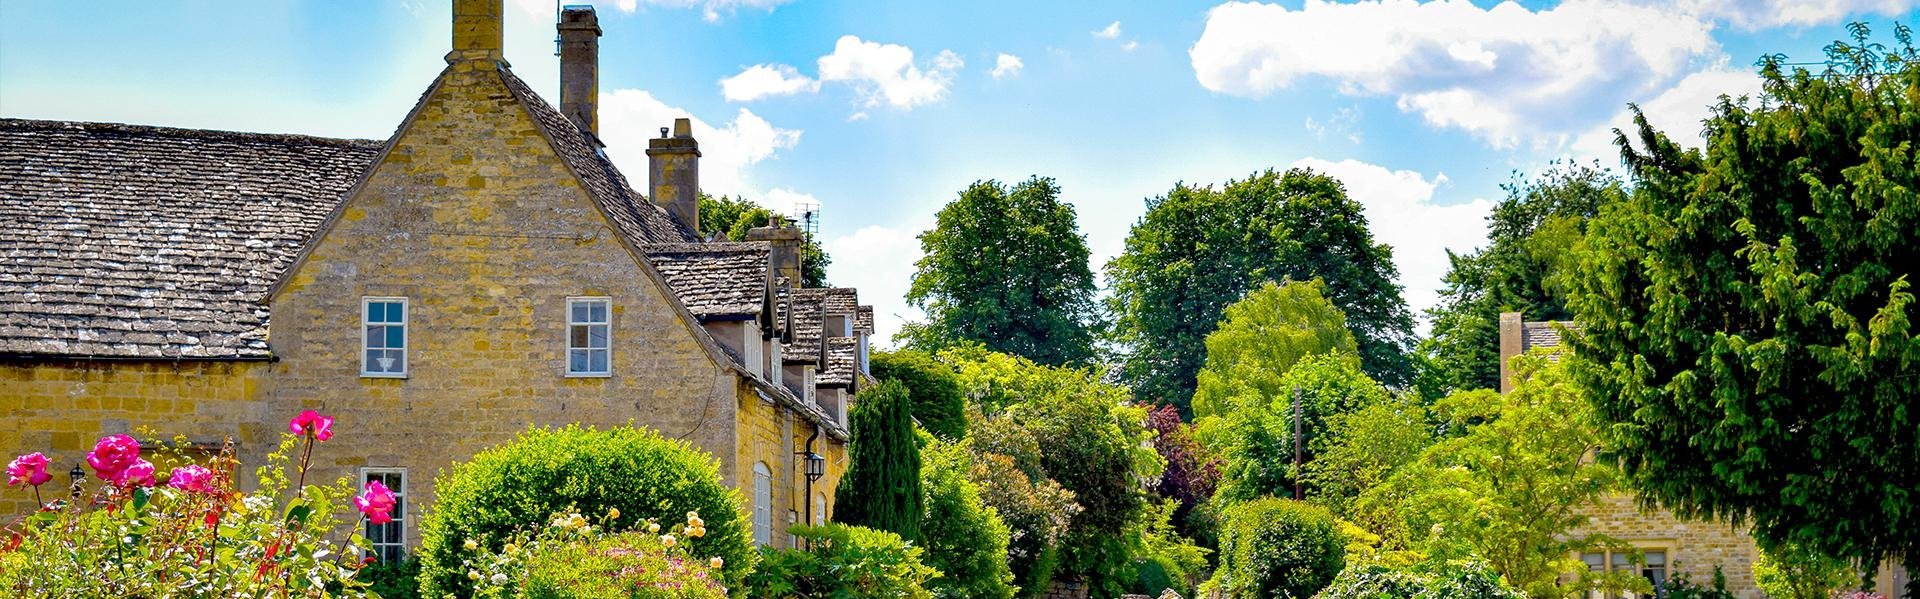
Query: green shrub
[
  {"x": 964, "y": 539},
  {"x": 628, "y": 566},
  {"x": 881, "y": 488},
  {"x": 520, "y": 484},
  {"x": 1793, "y": 572},
  {"x": 1421, "y": 581},
  {"x": 393, "y": 579},
  {"x": 842, "y": 561},
  {"x": 934, "y": 389},
  {"x": 1277, "y": 548},
  {"x": 1681, "y": 587}
]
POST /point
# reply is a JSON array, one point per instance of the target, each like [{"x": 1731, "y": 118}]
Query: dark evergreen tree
[
  {"x": 1748, "y": 313},
  {"x": 881, "y": 489}
]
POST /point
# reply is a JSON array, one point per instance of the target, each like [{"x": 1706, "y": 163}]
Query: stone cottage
[
  {"x": 1668, "y": 543},
  {"x": 484, "y": 269}
]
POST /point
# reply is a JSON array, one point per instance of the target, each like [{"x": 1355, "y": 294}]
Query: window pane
[
  {"x": 1622, "y": 561},
  {"x": 579, "y": 336},
  {"x": 597, "y": 336},
  {"x": 396, "y": 336},
  {"x": 576, "y": 360},
  {"x": 597, "y": 312},
  {"x": 1656, "y": 558},
  {"x": 374, "y": 311},
  {"x": 598, "y": 361},
  {"x": 396, "y": 312},
  {"x": 579, "y": 311},
  {"x": 1596, "y": 562}
]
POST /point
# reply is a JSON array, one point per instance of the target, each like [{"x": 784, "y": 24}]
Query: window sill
[
  {"x": 382, "y": 375},
  {"x": 589, "y": 375}
]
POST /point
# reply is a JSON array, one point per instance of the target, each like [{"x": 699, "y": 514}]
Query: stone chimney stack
[
  {"x": 786, "y": 241},
  {"x": 674, "y": 173},
  {"x": 476, "y": 31},
  {"x": 580, "y": 67}
]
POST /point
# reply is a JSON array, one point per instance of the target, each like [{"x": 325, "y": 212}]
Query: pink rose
[
  {"x": 30, "y": 469},
  {"x": 139, "y": 473},
  {"x": 311, "y": 421},
  {"x": 193, "y": 479},
  {"x": 112, "y": 455},
  {"x": 376, "y": 502}
]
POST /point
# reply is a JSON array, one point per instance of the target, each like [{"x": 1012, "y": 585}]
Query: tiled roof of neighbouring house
[
  {"x": 842, "y": 354},
  {"x": 714, "y": 280},
  {"x": 863, "y": 322},
  {"x": 806, "y": 307},
  {"x": 1544, "y": 333},
  {"x": 842, "y": 301},
  {"x": 126, "y": 241}
]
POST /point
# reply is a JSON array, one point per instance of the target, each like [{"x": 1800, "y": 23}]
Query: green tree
[
  {"x": 964, "y": 538},
  {"x": 1748, "y": 313},
  {"x": 1038, "y": 511},
  {"x": 1277, "y": 548},
  {"x": 881, "y": 489},
  {"x": 732, "y": 217},
  {"x": 1198, "y": 249},
  {"x": 1508, "y": 488},
  {"x": 1086, "y": 438},
  {"x": 1260, "y": 338},
  {"x": 1007, "y": 267},
  {"x": 1791, "y": 572},
  {"x": 1528, "y": 235},
  {"x": 933, "y": 387},
  {"x": 1363, "y": 448}
]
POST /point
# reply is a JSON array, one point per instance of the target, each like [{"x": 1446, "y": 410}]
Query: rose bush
[{"x": 195, "y": 535}]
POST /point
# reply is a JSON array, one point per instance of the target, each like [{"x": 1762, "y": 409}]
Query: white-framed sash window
[
  {"x": 762, "y": 504},
  {"x": 589, "y": 336},
  {"x": 389, "y": 539},
  {"x": 383, "y": 337}
]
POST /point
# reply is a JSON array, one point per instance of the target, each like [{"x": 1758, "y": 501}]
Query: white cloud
[
  {"x": 629, "y": 117},
  {"x": 1401, "y": 212},
  {"x": 789, "y": 202},
  {"x": 1007, "y": 65},
  {"x": 763, "y": 80},
  {"x": 1129, "y": 45},
  {"x": 1112, "y": 31},
  {"x": 1677, "y": 111},
  {"x": 1505, "y": 73},
  {"x": 1344, "y": 123},
  {"x": 1767, "y": 14},
  {"x": 886, "y": 73},
  {"x": 879, "y": 262}
]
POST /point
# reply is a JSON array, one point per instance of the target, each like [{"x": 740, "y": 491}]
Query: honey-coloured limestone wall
[{"x": 475, "y": 220}]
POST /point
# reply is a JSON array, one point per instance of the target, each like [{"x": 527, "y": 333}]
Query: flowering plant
[
  {"x": 185, "y": 533},
  {"x": 575, "y": 559}
]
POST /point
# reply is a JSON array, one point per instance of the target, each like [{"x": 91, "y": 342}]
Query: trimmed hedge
[
  {"x": 1425, "y": 581},
  {"x": 1278, "y": 548},
  {"x": 520, "y": 484}
]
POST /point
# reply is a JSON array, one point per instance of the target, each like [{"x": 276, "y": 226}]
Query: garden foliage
[
  {"x": 842, "y": 561},
  {"x": 939, "y": 404},
  {"x": 634, "y": 474},
  {"x": 963, "y": 537},
  {"x": 1277, "y": 548}
]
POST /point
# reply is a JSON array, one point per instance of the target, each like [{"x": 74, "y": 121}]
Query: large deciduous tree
[
  {"x": 882, "y": 486},
  {"x": 1528, "y": 235},
  {"x": 1199, "y": 249},
  {"x": 1007, "y": 267},
  {"x": 1749, "y": 311},
  {"x": 731, "y": 217}
]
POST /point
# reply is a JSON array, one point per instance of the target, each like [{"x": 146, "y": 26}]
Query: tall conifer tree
[{"x": 882, "y": 487}]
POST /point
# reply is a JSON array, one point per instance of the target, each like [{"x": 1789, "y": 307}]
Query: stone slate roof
[
  {"x": 126, "y": 241},
  {"x": 1544, "y": 333},
  {"x": 842, "y": 355},
  {"x": 805, "y": 305},
  {"x": 633, "y": 215},
  {"x": 842, "y": 301},
  {"x": 715, "y": 280},
  {"x": 863, "y": 322}
]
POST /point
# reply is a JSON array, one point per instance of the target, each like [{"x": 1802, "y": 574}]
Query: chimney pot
[{"x": 579, "y": 29}]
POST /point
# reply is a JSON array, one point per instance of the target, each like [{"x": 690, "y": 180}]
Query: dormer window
[
  {"x": 383, "y": 337},
  {"x": 589, "y": 336}
]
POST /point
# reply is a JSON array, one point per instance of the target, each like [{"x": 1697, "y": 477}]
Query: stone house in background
[
  {"x": 484, "y": 269},
  {"x": 1669, "y": 544}
]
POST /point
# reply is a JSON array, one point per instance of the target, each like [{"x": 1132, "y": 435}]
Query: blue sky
[{"x": 882, "y": 112}]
